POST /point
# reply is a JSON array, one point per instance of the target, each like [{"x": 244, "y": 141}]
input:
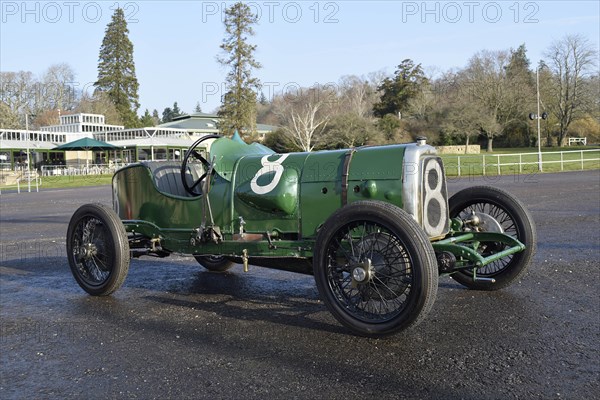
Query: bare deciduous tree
[
  {"x": 18, "y": 91},
  {"x": 24, "y": 94},
  {"x": 357, "y": 95},
  {"x": 486, "y": 82},
  {"x": 466, "y": 119},
  {"x": 304, "y": 115},
  {"x": 58, "y": 86},
  {"x": 8, "y": 118},
  {"x": 99, "y": 103},
  {"x": 570, "y": 59}
]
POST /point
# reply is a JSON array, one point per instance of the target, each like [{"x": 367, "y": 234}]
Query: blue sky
[{"x": 299, "y": 42}]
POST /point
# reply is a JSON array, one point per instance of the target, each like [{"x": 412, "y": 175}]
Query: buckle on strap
[{"x": 345, "y": 173}]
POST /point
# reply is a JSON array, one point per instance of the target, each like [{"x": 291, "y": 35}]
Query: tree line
[{"x": 488, "y": 101}]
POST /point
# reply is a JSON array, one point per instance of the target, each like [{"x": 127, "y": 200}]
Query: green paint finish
[
  {"x": 267, "y": 192},
  {"x": 377, "y": 163},
  {"x": 178, "y": 240},
  {"x": 227, "y": 153},
  {"x": 457, "y": 246},
  {"x": 135, "y": 196},
  {"x": 323, "y": 166},
  {"x": 282, "y": 200}
]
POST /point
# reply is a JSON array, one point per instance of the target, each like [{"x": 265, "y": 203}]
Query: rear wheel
[
  {"x": 97, "y": 249},
  {"x": 215, "y": 263},
  {"x": 375, "y": 268},
  {"x": 500, "y": 212}
]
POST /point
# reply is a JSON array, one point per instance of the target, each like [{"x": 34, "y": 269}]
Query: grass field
[
  {"x": 518, "y": 150},
  {"x": 75, "y": 181},
  {"x": 54, "y": 182},
  {"x": 508, "y": 163}
]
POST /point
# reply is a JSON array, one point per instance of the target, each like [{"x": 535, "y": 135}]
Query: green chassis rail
[
  {"x": 470, "y": 253},
  {"x": 179, "y": 241},
  {"x": 462, "y": 245}
]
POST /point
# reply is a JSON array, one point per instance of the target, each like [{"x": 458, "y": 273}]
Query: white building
[
  {"x": 81, "y": 125},
  {"x": 167, "y": 141}
]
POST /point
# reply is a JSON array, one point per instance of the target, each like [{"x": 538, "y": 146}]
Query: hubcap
[
  {"x": 86, "y": 251},
  {"x": 482, "y": 222},
  {"x": 363, "y": 272}
]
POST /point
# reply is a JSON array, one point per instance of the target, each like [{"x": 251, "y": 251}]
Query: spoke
[
  {"x": 384, "y": 296},
  {"x": 362, "y": 238},
  {"x": 97, "y": 261},
  {"x": 508, "y": 224},
  {"x": 340, "y": 247},
  {"x": 92, "y": 232}
]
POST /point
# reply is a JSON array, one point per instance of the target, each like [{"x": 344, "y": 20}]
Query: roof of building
[
  {"x": 22, "y": 144},
  {"x": 205, "y": 122},
  {"x": 153, "y": 142}
]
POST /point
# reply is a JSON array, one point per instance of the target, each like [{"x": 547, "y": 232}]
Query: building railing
[
  {"x": 91, "y": 169},
  {"x": 27, "y": 181}
]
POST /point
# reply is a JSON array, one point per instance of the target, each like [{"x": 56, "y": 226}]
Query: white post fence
[{"x": 485, "y": 164}]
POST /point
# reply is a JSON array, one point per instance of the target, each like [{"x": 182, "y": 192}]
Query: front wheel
[
  {"x": 97, "y": 249},
  {"x": 375, "y": 268},
  {"x": 501, "y": 212}
]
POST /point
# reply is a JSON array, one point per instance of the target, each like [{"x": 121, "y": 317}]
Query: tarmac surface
[{"x": 175, "y": 330}]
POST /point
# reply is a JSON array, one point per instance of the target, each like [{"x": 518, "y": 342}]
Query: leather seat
[{"x": 167, "y": 176}]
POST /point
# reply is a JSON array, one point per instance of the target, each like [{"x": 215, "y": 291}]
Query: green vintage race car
[{"x": 373, "y": 224}]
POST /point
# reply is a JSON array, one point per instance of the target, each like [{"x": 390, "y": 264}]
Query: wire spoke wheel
[
  {"x": 368, "y": 250},
  {"x": 508, "y": 226},
  {"x": 375, "y": 268},
  {"x": 506, "y": 214},
  {"x": 97, "y": 249},
  {"x": 91, "y": 252}
]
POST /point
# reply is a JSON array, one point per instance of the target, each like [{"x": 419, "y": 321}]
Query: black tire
[
  {"x": 215, "y": 263},
  {"x": 97, "y": 249},
  {"x": 515, "y": 221},
  {"x": 401, "y": 284}
]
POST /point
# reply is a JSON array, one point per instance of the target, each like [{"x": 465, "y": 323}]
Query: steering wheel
[{"x": 195, "y": 189}]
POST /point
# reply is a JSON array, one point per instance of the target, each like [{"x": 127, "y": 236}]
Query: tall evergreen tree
[
  {"x": 521, "y": 82},
  {"x": 397, "y": 91},
  {"x": 198, "y": 108},
  {"x": 167, "y": 115},
  {"x": 238, "y": 111},
  {"x": 518, "y": 66},
  {"x": 147, "y": 119},
  {"x": 176, "y": 111},
  {"x": 263, "y": 99},
  {"x": 155, "y": 117},
  {"x": 116, "y": 70}
]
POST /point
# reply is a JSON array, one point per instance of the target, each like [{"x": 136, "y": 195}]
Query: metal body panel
[{"x": 136, "y": 197}]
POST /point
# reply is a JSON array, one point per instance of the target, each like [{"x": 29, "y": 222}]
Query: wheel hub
[
  {"x": 363, "y": 272},
  {"x": 86, "y": 251},
  {"x": 482, "y": 222}
]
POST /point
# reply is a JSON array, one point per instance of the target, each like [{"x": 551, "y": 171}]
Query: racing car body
[{"x": 373, "y": 224}]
